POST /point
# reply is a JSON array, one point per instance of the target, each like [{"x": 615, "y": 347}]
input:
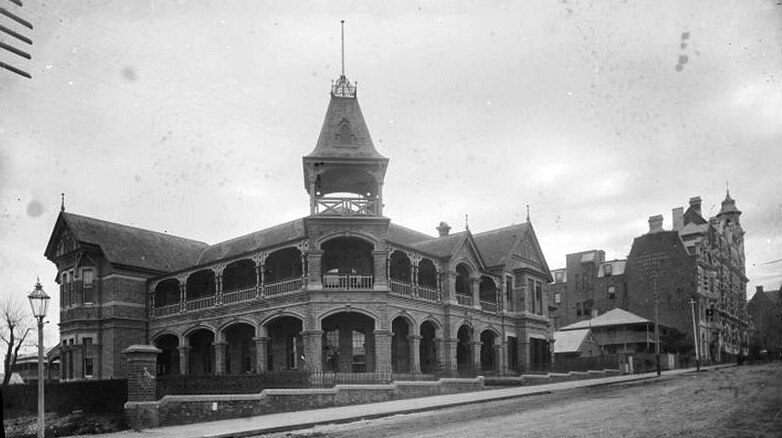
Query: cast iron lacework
[{"x": 343, "y": 88}]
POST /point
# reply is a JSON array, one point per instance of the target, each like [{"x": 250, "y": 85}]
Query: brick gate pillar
[
  {"x": 141, "y": 407},
  {"x": 261, "y": 353},
  {"x": 313, "y": 350},
  {"x": 415, "y": 353},
  {"x": 382, "y": 350}
]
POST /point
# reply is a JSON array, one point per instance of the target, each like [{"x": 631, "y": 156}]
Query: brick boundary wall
[
  {"x": 185, "y": 409},
  {"x": 540, "y": 379}
]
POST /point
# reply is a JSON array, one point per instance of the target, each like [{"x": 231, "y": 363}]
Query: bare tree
[{"x": 15, "y": 325}]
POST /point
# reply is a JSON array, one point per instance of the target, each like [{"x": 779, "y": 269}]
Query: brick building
[
  {"x": 341, "y": 289},
  {"x": 698, "y": 259},
  {"x": 765, "y": 322}
]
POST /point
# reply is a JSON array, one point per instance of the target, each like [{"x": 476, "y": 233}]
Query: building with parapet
[
  {"x": 698, "y": 259},
  {"x": 341, "y": 289},
  {"x": 765, "y": 322}
]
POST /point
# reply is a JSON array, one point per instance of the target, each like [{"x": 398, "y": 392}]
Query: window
[
  {"x": 539, "y": 295},
  {"x": 531, "y": 288},
  {"x": 87, "y": 279},
  {"x": 86, "y": 341},
  {"x": 578, "y": 309},
  {"x": 557, "y": 298},
  {"x": 608, "y": 270},
  {"x": 559, "y": 277},
  {"x": 359, "y": 353},
  {"x": 65, "y": 287},
  {"x": 611, "y": 291},
  {"x": 88, "y": 367}
]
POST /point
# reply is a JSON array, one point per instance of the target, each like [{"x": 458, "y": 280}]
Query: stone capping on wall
[
  {"x": 540, "y": 379},
  {"x": 184, "y": 409}
]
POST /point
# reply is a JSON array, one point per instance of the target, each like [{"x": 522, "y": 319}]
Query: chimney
[
  {"x": 655, "y": 224},
  {"x": 443, "y": 229},
  {"x": 759, "y": 289},
  {"x": 695, "y": 204},
  {"x": 677, "y": 214}
]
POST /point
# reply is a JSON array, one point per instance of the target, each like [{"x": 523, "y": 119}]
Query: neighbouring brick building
[
  {"x": 341, "y": 289},
  {"x": 765, "y": 321},
  {"x": 698, "y": 259}
]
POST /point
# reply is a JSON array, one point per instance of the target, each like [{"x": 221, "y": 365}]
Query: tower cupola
[{"x": 344, "y": 174}]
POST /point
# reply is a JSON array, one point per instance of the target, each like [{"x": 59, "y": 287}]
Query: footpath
[{"x": 287, "y": 421}]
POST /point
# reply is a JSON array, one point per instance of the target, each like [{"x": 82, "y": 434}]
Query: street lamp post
[
  {"x": 695, "y": 335},
  {"x": 39, "y": 302}
]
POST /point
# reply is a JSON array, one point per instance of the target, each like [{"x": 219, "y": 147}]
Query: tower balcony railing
[
  {"x": 407, "y": 289},
  {"x": 346, "y": 206},
  {"x": 429, "y": 294},
  {"x": 401, "y": 288},
  {"x": 348, "y": 281},
  {"x": 489, "y": 306}
]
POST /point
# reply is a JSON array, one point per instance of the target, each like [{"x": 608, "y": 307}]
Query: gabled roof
[
  {"x": 692, "y": 216},
  {"x": 344, "y": 111},
  {"x": 570, "y": 341},
  {"x": 275, "y": 235},
  {"x": 128, "y": 246},
  {"x": 610, "y": 318},
  {"x": 496, "y": 245}
]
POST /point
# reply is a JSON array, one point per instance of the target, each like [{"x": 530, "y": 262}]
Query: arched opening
[
  {"x": 285, "y": 348},
  {"x": 464, "y": 361},
  {"x": 400, "y": 345},
  {"x": 283, "y": 265},
  {"x": 202, "y": 352},
  {"x": 488, "y": 294},
  {"x": 400, "y": 267},
  {"x": 239, "y": 275},
  {"x": 427, "y": 274},
  {"x": 200, "y": 284},
  {"x": 167, "y": 293},
  {"x": 463, "y": 280},
  {"x": 427, "y": 349},
  {"x": 349, "y": 343},
  {"x": 347, "y": 263},
  {"x": 168, "y": 359},
  {"x": 239, "y": 349},
  {"x": 347, "y": 192},
  {"x": 488, "y": 351}
]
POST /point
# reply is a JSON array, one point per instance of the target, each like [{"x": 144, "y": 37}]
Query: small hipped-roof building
[{"x": 619, "y": 331}]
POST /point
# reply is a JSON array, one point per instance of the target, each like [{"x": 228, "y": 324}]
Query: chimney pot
[
  {"x": 443, "y": 229},
  {"x": 759, "y": 289},
  {"x": 655, "y": 223},
  {"x": 695, "y": 204}
]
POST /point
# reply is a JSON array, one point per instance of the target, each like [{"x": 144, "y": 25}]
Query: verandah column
[
  {"x": 261, "y": 353},
  {"x": 220, "y": 348},
  {"x": 381, "y": 274},
  {"x": 184, "y": 359},
  {"x": 475, "y": 284},
  {"x": 415, "y": 353},
  {"x": 313, "y": 350},
  {"x": 382, "y": 350},
  {"x": 476, "y": 355},
  {"x": 446, "y": 354},
  {"x": 314, "y": 258}
]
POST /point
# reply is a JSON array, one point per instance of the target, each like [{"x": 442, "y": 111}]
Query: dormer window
[{"x": 345, "y": 137}]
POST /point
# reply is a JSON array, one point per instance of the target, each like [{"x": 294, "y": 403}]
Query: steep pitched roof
[
  {"x": 344, "y": 117},
  {"x": 130, "y": 246},
  {"x": 441, "y": 246},
  {"x": 405, "y": 236},
  {"x": 612, "y": 317},
  {"x": 275, "y": 235},
  {"x": 569, "y": 341},
  {"x": 496, "y": 245}
]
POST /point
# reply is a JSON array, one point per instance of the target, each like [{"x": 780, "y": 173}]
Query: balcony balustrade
[
  {"x": 346, "y": 206},
  {"x": 239, "y": 295},
  {"x": 402, "y": 288},
  {"x": 283, "y": 287},
  {"x": 166, "y": 310},
  {"x": 489, "y": 306},
  {"x": 347, "y": 281},
  {"x": 429, "y": 294},
  {"x": 464, "y": 300},
  {"x": 200, "y": 303}
]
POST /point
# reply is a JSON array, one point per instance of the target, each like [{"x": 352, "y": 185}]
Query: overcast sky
[{"x": 191, "y": 117}]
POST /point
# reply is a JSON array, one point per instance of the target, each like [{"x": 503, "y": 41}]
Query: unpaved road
[{"x": 730, "y": 402}]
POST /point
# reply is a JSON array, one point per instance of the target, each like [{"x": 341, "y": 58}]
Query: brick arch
[
  {"x": 240, "y": 320},
  {"x": 411, "y": 322},
  {"x": 348, "y": 309},
  {"x": 265, "y": 321},
  {"x": 187, "y": 332},
  {"x": 164, "y": 332},
  {"x": 372, "y": 240}
]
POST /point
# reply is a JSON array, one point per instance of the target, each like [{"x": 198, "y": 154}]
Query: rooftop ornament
[{"x": 343, "y": 87}]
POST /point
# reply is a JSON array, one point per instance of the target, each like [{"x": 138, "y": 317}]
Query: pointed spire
[
  {"x": 527, "y": 213},
  {"x": 342, "y": 22},
  {"x": 466, "y": 222},
  {"x": 727, "y": 191},
  {"x": 62, "y": 201}
]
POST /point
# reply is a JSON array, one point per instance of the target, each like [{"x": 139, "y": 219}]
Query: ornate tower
[
  {"x": 344, "y": 173},
  {"x": 731, "y": 226}
]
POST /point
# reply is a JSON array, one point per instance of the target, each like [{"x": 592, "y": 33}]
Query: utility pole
[
  {"x": 657, "y": 328},
  {"x": 695, "y": 335}
]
